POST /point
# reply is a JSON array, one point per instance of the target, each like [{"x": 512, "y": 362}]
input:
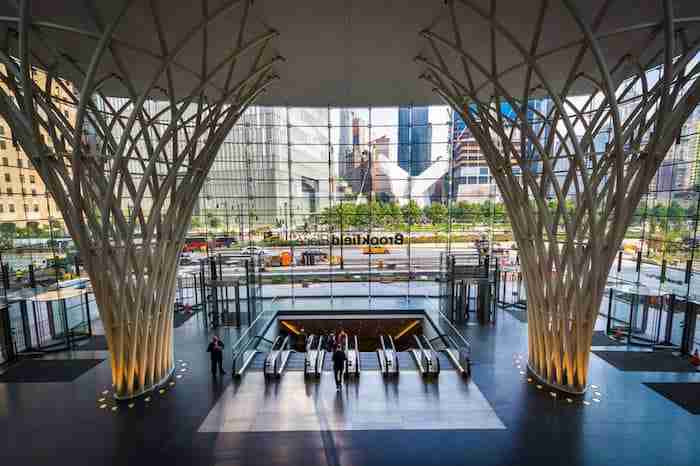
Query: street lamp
[
  {"x": 228, "y": 232},
  {"x": 286, "y": 225},
  {"x": 240, "y": 222}
]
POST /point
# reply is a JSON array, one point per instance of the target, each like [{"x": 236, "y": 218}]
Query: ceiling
[{"x": 340, "y": 52}]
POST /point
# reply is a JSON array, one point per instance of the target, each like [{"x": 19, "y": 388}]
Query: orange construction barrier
[{"x": 285, "y": 259}]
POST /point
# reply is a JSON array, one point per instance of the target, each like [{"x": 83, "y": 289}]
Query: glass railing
[
  {"x": 455, "y": 344},
  {"x": 251, "y": 339}
]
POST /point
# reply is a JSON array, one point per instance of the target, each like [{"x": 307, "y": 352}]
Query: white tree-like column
[
  {"x": 572, "y": 171},
  {"x": 125, "y": 172}
]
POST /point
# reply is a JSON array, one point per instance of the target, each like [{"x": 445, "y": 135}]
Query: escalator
[
  {"x": 387, "y": 356},
  {"x": 277, "y": 357},
  {"x": 315, "y": 356},
  {"x": 425, "y": 356},
  {"x": 352, "y": 353}
]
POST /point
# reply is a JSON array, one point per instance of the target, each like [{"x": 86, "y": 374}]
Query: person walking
[
  {"x": 341, "y": 338},
  {"x": 339, "y": 360},
  {"x": 216, "y": 351}
]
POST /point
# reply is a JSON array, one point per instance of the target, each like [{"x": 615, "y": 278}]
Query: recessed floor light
[
  {"x": 101, "y": 400},
  {"x": 569, "y": 400},
  {"x": 161, "y": 391},
  {"x": 104, "y": 392},
  {"x": 131, "y": 405},
  {"x": 539, "y": 387},
  {"x": 597, "y": 393},
  {"x": 597, "y": 400},
  {"x": 147, "y": 399},
  {"x": 114, "y": 408},
  {"x": 103, "y": 406},
  {"x": 586, "y": 402},
  {"x": 522, "y": 372}
]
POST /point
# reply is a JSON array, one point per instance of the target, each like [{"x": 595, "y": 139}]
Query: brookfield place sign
[{"x": 361, "y": 240}]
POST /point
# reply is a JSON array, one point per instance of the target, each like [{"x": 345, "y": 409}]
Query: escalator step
[
  {"x": 296, "y": 361},
  {"x": 369, "y": 361},
  {"x": 445, "y": 362},
  {"x": 258, "y": 362},
  {"x": 406, "y": 361}
]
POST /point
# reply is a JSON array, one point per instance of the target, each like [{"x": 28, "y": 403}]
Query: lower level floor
[{"x": 60, "y": 408}]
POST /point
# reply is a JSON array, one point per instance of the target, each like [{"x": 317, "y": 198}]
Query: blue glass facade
[{"x": 415, "y": 138}]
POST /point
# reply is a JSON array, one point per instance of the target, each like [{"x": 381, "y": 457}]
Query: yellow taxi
[{"x": 375, "y": 250}]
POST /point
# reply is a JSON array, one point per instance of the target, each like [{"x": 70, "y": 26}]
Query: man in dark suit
[{"x": 216, "y": 351}]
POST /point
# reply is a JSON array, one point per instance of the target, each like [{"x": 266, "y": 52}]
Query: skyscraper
[
  {"x": 415, "y": 138},
  {"x": 344, "y": 141}
]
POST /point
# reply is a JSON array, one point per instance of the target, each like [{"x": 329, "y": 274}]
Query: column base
[
  {"x": 150, "y": 389},
  {"x": 565, "y": 389}
]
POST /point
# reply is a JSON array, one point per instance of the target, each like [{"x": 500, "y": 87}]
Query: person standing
[
  {"x": 339, "y": 360},
  {"x": 216, "y": 351}
]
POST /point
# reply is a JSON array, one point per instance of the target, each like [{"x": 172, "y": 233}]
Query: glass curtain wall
[
  {"x": 358, "y": 204},
  {"x": 357, "y": 199}
]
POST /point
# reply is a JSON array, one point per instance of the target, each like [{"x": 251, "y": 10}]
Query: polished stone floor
[
  {"x": 50, "y": 423},
  {"x": 370, "y": 402}
]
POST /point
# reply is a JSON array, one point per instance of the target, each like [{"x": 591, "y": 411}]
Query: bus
[
  {"x": 195, "y": 243},
  {"x": 200, "y": 243}
]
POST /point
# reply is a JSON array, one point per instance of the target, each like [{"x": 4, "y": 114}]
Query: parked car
[{"x": 253, "y": 250}]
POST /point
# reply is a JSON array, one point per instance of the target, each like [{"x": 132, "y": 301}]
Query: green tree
[
  {"x": 676, "y": 214},
  {"x": 653, "y": 224},
  {"x": 459, "y": 211},
  {"x": 213, "y": 221},
  {"x": 340, "y": 216},
  {"x": 411, "y": 212},
  {"x": 436, "y": 213},
  {"x": 392, "y": 211},
  {"x": 473, "y": 213},
  {"x": 361, "y": 217},
  {"x": 499, "y": 212},
  {"x": 8, "y": 233},
  {"x": 195, "y": 223},
  {"x": 378, "y": 214},
  {"x": 56, "y": 226}
]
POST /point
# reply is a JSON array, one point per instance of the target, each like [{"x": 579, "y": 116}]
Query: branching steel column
[
  {"x": 570, "y": 196},
  {"x": 152, "y": 154}
]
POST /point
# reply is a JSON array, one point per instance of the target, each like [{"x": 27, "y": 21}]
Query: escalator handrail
[
  {"x": 278, "y": 356},
  {"x": 380, "y": 356},
  {"x": 427, "y": 353},
  {"x": 319, "y": 351},
  {"x": 418, "y": 342},
  {"x": 391, "y": 342}
]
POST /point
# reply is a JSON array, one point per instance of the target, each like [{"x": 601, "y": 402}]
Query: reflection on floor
[
  {"x": 370, "y": 403},
  {"x": 630, "y": 424}
]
